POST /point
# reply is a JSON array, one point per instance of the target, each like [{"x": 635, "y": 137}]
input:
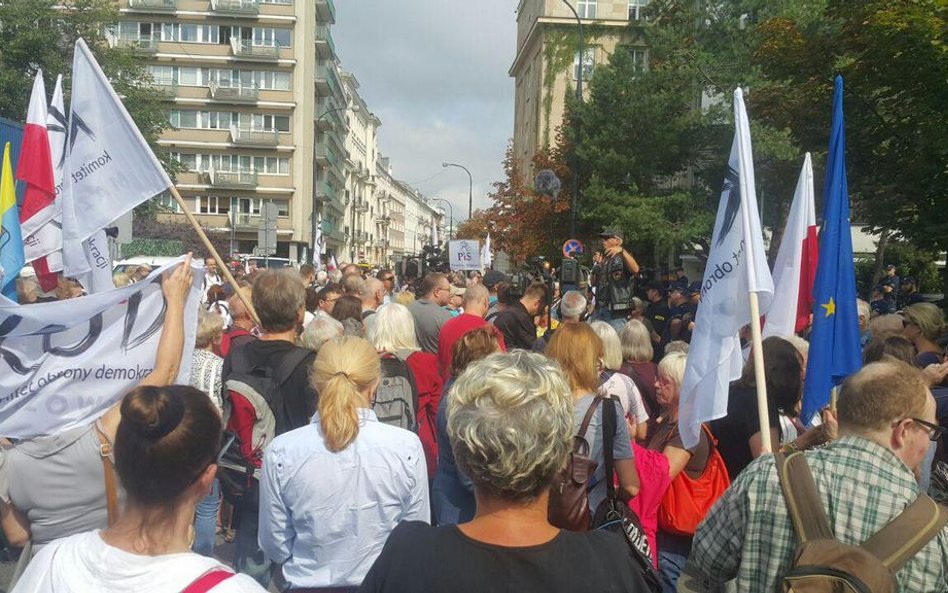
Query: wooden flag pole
[
  {"x": 217, "y": 257},
  {"x": 757, "y": 351},
  {"x": 834, "y": 395}
]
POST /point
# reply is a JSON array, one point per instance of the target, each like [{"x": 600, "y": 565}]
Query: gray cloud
[{"x": 435, "y": 73}]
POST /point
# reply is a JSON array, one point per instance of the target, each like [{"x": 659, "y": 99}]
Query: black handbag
[{"x": 614, "y": 515}]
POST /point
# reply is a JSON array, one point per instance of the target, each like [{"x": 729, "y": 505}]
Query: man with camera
[{"x": 614, "y": 280}]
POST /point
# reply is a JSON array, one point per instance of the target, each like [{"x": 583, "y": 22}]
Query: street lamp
[
  {"x": 312, "y": 238},
  {"x": 450, "y": 216},
  {"x": 470, "y": 187},
  {"x": 576, "y": 127}
]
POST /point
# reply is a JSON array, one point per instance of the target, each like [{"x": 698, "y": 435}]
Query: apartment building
[
  {"x": 543, "y": 81},
  {"x": 247, "y": 83}
]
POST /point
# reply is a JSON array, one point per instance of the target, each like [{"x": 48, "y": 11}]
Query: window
[
  {"x": 270, "y": 165},
  {"x": 586, "y": 9},
  {"x": 212, "y": 205},
  {"x": 167, "y": 202},
  {"x": 270, "y": 37},
  {"x": 637, "y": 9},
  {"x": 283, "y": 207},
  {"x": 639, "y": 58},
  {"x": 589, "y": 63}
]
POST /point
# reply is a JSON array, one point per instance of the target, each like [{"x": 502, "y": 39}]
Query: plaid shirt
[{"x": 748, "y": 535}]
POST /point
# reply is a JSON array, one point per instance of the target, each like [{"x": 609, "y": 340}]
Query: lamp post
[
  {"x": 470, "y": 187},
  {"x": 450, "y": 215},
  {"x": 576, "y": 128},
  {"x": 312, "y": 238}
]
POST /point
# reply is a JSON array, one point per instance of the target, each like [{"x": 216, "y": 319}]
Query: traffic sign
[{"x": 573, "y": 248}]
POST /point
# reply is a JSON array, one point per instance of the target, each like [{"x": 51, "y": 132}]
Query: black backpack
[{"x": 396, "y": 400}]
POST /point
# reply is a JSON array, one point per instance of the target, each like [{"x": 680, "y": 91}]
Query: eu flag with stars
[{"x": 834, "y": 340}]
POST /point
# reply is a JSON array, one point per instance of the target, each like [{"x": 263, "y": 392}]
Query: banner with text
[
  {"x": 64, "y": 363},
  {"x": 465, "y": 255}
]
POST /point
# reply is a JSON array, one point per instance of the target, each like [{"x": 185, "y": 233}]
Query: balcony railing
[
  {"x": 362, "y": 206},
  {"x": 140, "y": 44},
  {"x": 235, "y": 6},
  {"x": 165, "y": 88},
  {"x": 239, "y": 179},
  {"x": 325, "y": 46},
  {"x": 246, "y": 221},
  {"x": 250, "y": 137},
  {"x": 325, "y": 155},
  {"x": 326, "y": 10},
  {"x": 324, "y": 192},
  {"x": 153, "y": 4},
  {"x": 327, "y": 81},
  {"x": 244, "y": 48},
  {"x": 237, "y": 94}
]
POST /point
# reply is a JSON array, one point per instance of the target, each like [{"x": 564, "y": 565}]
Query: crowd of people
[{"x": 360, "y": 431}]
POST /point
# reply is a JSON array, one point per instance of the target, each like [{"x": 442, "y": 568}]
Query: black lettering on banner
[
  {"x": 95, "y": 329},
  {"x": 131, "y": 315},
  {"x": 12, "y": 360}
]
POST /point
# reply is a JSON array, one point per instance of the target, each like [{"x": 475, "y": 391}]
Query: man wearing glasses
[
  {"x": 865, "y": 479},
  {"x": 388, "y": 280},
  {"x": 428, "y": 312}
]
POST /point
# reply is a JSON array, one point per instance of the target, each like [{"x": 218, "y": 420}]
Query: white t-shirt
[
  {"x": 84, "y": 562},
  {"x": 624, "y": 389}
]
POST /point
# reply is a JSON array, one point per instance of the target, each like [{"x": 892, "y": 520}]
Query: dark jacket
[{"x": 516, "y": 324}]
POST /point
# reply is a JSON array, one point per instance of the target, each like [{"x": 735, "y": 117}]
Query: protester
[
  {"x": 475, "y": 308},
  {"x": 311, "y": 305},
  {"x": 615, "y": 384},
  {"x": 430, "y": 317},
  {"x": 924, "y": 324},
  {"x": 353, "y": 285},
  {"x": 70, "y": 289},
  {"x": 491, "y": 282},
  {"x": 679, "y": 346},
  {"x": 279, "y": 299},
  {"x": 673, "y": 547},
  {"x": 572, "y": 308},
  {"x": 387, "y": 276},
  {"x": 393, "y": 336},
  {"x": 862, "y": 308},
  {"x": 455, "y": 300},
  {"x": 165, "y": 456},
  {"x": 320, "y": 331},
  {"x": 328, "y": 296},
  {"x": 615, "y": 277},
  {"x": 452, "y": 493},
  {"x": 510, "y": 422},
  {"x": 348, "y": 312},
  {"x": 865, "y": 479},
  {"x": 216, "y": 301},
  {"x": 308, "y": 275},
  {"x": 333, "y": 490},
  {"x": 909, "y": 294},
  {"x": 657, "y": 314},
  {"x": 516, "y": 321},
  {"x": 578, "y": 350},
  {"x": 886, "y": 324},
  {"x": 53, "y": 487},
  {"x": 738, "y": 433},
  {"x": 373, "y": 296},
  {"x": 638, "y": 352},
  {"x": 405, "y": 298},
  {"x": 242, "y": 326},
  {"x": 206, "y": 369}
]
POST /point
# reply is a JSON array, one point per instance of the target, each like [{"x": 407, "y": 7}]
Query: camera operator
[{"x": 614, "y": 280}]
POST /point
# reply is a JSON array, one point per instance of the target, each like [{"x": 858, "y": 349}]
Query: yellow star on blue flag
[{"x": 830, "y": 307}]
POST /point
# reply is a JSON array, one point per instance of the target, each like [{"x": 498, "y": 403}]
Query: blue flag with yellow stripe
[{"x": 834, "y": 340}]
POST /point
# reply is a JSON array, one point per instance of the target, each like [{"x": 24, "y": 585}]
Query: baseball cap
[
  {"x": 910, "y": 280},
  {"x": 610, "y": 231},
  {"x": 890, "y": 267},
  {"x": 493, "y": 277}
]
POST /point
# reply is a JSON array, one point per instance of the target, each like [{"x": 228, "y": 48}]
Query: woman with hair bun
[
  {"x": 166, "y": 447},
  {"x": 332, "y": 491}
]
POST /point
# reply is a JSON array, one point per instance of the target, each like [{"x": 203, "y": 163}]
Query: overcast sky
[{"x": 435, "y": 73}]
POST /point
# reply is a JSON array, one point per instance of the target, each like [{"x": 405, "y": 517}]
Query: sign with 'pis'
[{"x": 465, "y": 255}]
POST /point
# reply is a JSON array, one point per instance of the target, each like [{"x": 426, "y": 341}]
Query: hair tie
[
  {"x": 166, "y": 420},
  {"x": 343, "y": 373}
]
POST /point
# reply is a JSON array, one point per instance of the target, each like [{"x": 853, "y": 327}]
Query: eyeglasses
[
  {"x": 330, "y": 300},
  {"x": 935, "y": 432},
  {"x": 388, "y": 279}
]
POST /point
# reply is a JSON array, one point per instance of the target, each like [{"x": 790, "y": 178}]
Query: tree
[{"x": 38, "y": 34}]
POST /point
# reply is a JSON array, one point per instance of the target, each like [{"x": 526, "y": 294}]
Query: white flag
[
  {"x": 487, "y": 258},
  {"x": 795, "y": 266},
  {"x": 318, "y": 247},
  {"x": 434, "y": 233},
  {"x": 66, "y": 362},
  {"x": 110, "y": 168},
  {"x": 737, "y": 266},
  {"x": 99, "y": 276}
]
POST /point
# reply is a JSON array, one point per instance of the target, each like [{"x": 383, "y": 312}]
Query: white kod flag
[
  {"x": 487, "y": 258},
  {"x": 737, "y": 266},
  {"x": 99, "y": 276},
  {"x": 318, "y": 247},
  {"x": 110, "y": 168},
  {"x": 64, "y": 363}
]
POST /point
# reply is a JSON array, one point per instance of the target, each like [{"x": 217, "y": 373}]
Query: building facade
[
  {"x": 547, "y": 65},
  {"x": 244, "y": 81}
]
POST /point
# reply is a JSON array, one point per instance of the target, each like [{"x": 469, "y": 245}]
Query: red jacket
[
  {"x": 424, "y": 369},
  {"x": 451, "y": 332}
]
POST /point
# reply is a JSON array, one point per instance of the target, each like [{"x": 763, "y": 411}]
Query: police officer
[{"x": 614, "y": 279}]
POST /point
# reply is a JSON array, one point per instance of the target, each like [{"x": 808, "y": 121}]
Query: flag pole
[
  {"x": 217, "y": 257},
  {"x": 757, "y": 351}
]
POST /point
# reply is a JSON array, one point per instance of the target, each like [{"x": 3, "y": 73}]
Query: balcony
[
  {"x": 327, "y": 81},
  {"x": 325, "y": 47},
  {"x": 325, "y": 156},
  {"x": 246, "y": 222},
  {"x": 148, "y": 45},
  {"x": 166, "y": 89},
  {"x": 239, "y": 179},
  {"x": 248, "y": 137},
  {"x": 169, "y": 5},
  {"x": 329, "y": 116},
  {"x": 362, "y": 206},
  {"x": 244, "y": 48},
  {"x": 326, "y": 11},
  {"x": 324, "y": 192},
  {"x": 248, "y": 7},
  {"x": 234, "y": 94}
]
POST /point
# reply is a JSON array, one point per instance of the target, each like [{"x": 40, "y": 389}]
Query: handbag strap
[
  {"x": 588, "y": 417},
  {"x": 111, "y": 496},
  {"x": 208, "y": 581},
  {"x": 802, "y": 497},
  {"x": 609, "y": 426}
]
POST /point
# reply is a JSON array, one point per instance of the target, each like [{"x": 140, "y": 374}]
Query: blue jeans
[
  {"x": 205, "y": 521},
  {"x": 249, "y": 559},
  {"x": 673, "y": 553}
]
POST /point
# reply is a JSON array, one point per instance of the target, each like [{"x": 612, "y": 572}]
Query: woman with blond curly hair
[
  {"x": 510, "y": 421},
  {"x": 332, "y": 491}
]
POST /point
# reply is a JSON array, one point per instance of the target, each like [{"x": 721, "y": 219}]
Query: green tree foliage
[{"x": 38, "y": 34}]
